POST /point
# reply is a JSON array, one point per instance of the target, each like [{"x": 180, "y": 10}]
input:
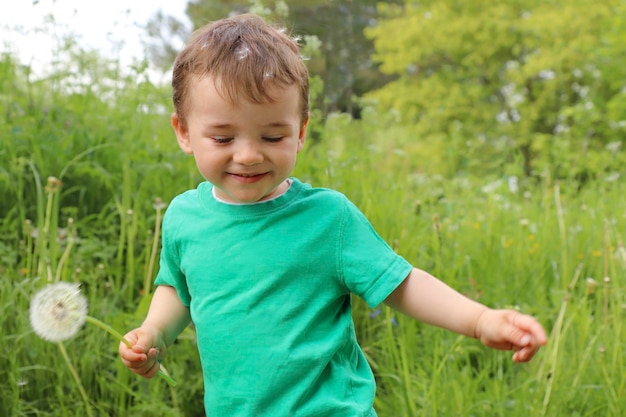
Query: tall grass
[{"x": 551, "y": 248}]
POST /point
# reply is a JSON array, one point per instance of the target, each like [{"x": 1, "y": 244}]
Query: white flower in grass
[{"x": 58, "y": 311}]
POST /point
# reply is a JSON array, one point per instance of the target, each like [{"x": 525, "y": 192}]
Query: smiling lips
[{"x": 247, "y": 178}]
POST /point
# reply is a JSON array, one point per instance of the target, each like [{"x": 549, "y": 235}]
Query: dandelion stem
[
  {"x": 48, "y": 213},
  {"x": 162, "y": 371},
  {"x": 76, "y": 378},
  {"x": 109, "y": 329}
]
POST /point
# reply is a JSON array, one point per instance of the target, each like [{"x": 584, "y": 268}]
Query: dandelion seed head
[
  {"x": 159, "y": 204},
  {"x": 591, "y": 285},
  {"x": 52, "y": 184},
  {"x": 58, "y": 311}
]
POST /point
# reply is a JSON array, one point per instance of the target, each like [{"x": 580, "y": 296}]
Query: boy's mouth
[{"x": 247, "y": 178}]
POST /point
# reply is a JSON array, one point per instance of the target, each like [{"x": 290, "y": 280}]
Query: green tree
[
  {"x": 534, "y": 81},
  {"x": 345, "y": 62}
]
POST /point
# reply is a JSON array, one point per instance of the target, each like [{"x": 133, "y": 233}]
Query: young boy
[{"x": 263, "y": 264}]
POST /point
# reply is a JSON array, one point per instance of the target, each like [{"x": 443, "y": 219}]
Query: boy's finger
[
  {"x": 143, "y": 344},
  {"x": 532, "y": 329},
  {"x": 525, "y": 354},
  {"x": 130, "y": 356},
  {"x": 516, "y": 335},
  {"x": 131, "y": 337}
]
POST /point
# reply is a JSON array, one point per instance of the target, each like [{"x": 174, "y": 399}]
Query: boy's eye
[
  {"x": 273, "y": 139},
  {"x": 222, "y": 140}
]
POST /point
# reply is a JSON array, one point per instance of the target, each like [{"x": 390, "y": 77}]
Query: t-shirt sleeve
[
  {"x": 170, "y": 271},
  {"x": 368, "y": 265}
]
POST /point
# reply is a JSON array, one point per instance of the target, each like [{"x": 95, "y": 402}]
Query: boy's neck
[{"x": 215, "y": 196}]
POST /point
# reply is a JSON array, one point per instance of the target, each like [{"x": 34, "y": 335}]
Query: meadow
[{"x": 88, "y": 165}]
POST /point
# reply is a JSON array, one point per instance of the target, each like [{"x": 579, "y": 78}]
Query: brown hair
[{"x": 246, "y": 56}]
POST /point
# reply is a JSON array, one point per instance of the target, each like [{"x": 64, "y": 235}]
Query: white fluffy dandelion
[{"x": 58, "y": 311}]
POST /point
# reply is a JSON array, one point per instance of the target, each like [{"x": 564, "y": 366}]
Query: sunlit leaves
[{"x": 526, "y": 71}]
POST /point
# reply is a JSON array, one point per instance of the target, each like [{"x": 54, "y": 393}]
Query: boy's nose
[{"x": 247, "y": 153}]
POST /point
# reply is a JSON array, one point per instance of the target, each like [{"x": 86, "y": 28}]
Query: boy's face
[{"x": 245, "y": 150}]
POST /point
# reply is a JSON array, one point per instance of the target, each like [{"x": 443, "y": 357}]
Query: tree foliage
[
  {"x": 540, "y": 82},
  {"x": 345, "y": 62}
]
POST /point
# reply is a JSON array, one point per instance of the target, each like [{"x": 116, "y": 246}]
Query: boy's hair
[{"x": 246, "y": 57}]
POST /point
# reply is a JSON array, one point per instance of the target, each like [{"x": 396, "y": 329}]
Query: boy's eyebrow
[
  {"x": 219, "y": 125},
  {"x": 279, "y": 123}
]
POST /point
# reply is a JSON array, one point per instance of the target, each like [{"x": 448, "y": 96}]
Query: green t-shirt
[{"x": 268, "y": 286}]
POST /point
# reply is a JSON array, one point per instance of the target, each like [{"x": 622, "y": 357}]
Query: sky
[{"x": 113, "y": 27}]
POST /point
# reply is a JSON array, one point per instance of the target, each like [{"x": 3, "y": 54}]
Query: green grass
[{"x": 553, "y": 249}]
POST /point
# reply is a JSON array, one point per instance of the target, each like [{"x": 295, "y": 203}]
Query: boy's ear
[
  {"x": 302, "y": 133},
  {"x": 182, "y": 133}
]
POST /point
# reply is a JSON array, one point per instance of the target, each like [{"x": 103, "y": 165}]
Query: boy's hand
[
  {"x": 146, "y": 351},
  {"x": 511, "y": 330}
]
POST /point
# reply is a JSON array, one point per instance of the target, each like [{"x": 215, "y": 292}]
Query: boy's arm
[
  {"x": 427, "y": 299},
  {"x": 167, "y": 314},
  {"x": 166, "y": 318}
]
